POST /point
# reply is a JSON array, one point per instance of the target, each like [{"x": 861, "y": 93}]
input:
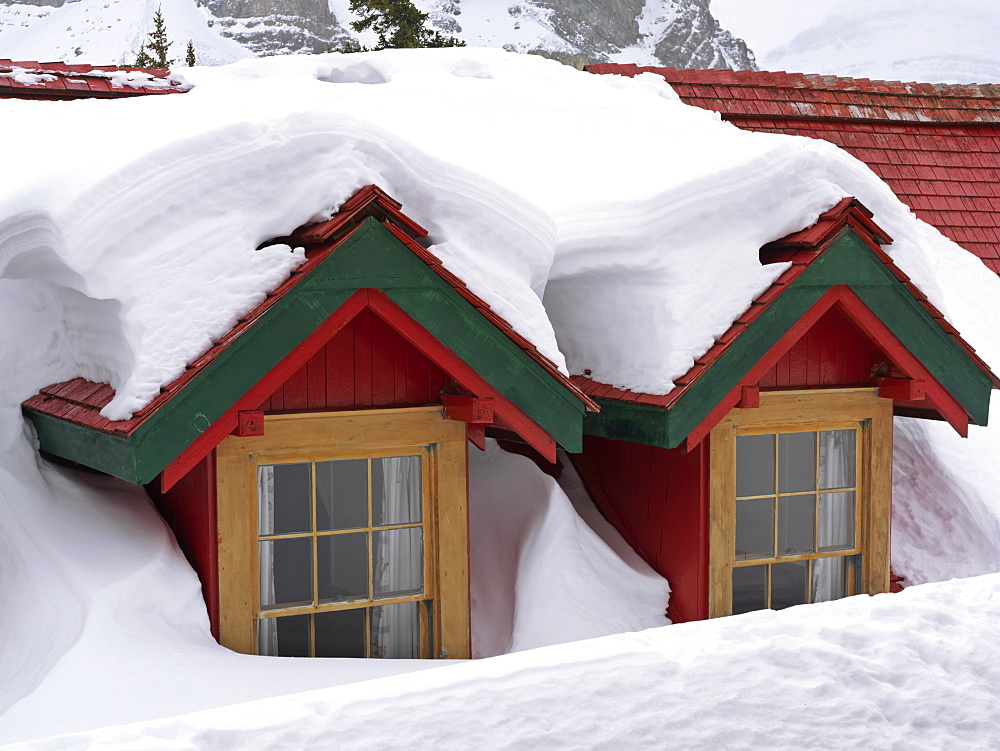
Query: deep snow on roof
[{"x": 936, "y": 145}]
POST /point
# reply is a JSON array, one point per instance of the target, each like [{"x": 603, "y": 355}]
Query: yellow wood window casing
[
  {"x": 857, "y": 412},
  {"x": 306, "y": 440}
]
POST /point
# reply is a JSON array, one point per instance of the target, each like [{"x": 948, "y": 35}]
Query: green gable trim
[
  {"x": 371, "y": 258},
  {"x": 848, "y": 261}
]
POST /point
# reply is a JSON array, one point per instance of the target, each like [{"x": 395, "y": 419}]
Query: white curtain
[
  {"x": 836, "y": 511},
  {"x": 398, "y": 559},
  {"x": 267, "y": 628}
]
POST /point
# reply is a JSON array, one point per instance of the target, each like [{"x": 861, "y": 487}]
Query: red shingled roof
[
  {"x": 936, "y": 145},
  {"x": 800, "y": 249},
  {"x": 33, "y": 80},
  {"x": 80, "y": 401}
]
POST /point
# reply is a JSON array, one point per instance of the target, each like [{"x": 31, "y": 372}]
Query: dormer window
[{"x": 800, "y": 500}]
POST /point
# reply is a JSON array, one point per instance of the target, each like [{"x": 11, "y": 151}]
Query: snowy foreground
[
  {"x": 914, "y": 670},
  {"x": 567, "y": 201}
]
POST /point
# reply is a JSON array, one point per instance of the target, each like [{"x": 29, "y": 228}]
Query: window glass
[
  {"x": 343, "y": 567},
  {"x": 796, "y": 524},
  {"x": 397, "y": 491},
  {"x": 342, "y": 494},
  {"x": 283, "y": 637},
  {"x": 829, "y": 579},
  {"x": 749, "y": 589},
  {"x": 796, "y": 462},
  {"x": 397, "y": 562},
  {"x": 285, "y": 572},
  {"x": 788, "y": 584},
  {"x": 340, "y": 633},
  {"x": 754, "y": 465},
  {"x": 754, "y": 528},
  {"x": 837, "y": 459},
  {"x": 284, "y": 493},
  {"x": 836, "y": 521},
  {"x": 395, "y": 631}
]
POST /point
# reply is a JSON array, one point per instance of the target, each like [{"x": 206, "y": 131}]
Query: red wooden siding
[
  {"x": 658, "y": 499},
  {"x": 366, "y": 364},
  {"x": 189, "y": 510},
  {"x": 831, "y": 353}
]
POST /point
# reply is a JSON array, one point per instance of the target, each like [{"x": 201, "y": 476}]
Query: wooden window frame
[
  {"x": 798, "y": 411},
  {"x": 313, "y": 437}
]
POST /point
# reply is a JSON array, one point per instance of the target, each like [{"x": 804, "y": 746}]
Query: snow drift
[{"x": 610, "y": 224}]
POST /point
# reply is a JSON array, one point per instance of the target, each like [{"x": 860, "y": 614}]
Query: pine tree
[
  {"x": 157, "y": 45},
  {"x": 398, "y": 24},
  {"x": 189, "y": 57}
]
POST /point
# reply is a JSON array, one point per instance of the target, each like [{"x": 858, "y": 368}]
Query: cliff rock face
[
  {"x": 679, "y": 33},
  {"x": 277, "y": 27}
]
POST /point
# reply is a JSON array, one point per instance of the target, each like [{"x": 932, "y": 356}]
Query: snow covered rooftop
[
  {"x": 614, "y": 227},
  {"x": 934, "y": 144}
]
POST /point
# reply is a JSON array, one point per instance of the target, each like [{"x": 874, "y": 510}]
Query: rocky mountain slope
[{"x": 681, "y": 33}]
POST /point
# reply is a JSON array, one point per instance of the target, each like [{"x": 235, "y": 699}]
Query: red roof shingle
[{"x": 29, "y": 79}]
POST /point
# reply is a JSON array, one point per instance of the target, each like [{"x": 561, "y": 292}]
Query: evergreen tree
[
  {"x": 153, "y": 53},
  {"x": 189, "y": 57},
  {"x": 398, "y": 24}
]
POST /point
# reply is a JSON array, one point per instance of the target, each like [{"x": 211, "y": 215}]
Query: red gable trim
[
  {"x": 877, "y": 331},
  {"x": 65, "y": 81},
  {"x": 397, "y": 318}
]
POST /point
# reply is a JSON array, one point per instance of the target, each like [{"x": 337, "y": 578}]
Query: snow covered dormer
[
  {"x": 312, "y": 463},
  {"x": 763, "y": 479}
]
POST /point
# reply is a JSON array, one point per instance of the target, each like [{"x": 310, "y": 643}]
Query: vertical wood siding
[
  {"x": 657, "y": 498},
  {"x": 367, "y": 364},
  {"x": 832, "y": 353},
  {"x": 189, "y": 510}
]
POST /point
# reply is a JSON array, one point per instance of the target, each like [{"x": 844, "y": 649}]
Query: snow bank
[
  {"x": 914, "y": 670},
  {"x": 126, "y": 252},
  {"x": 541, "y": 574}
]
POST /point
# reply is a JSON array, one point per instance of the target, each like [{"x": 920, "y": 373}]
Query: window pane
[
  {"x": 788, "y": 584},
  {"x": 397, "y": 491},
  {"x": 796, "y": 462},
  {"x": 836, "y": 521},
  {"x": 283, "y": 637},
  {"x": 755, "y": 528},
  {"x": 398, "y": 562},
  {"x": 796, "y": 524},
  {"x": 829, "y": 579},
  {"x": 340, "y": 633},
  {"x": 342, "y": 494},
  {"x": 285, "y": 572},
  {"x": 343, "y": 567},
  {"x": 395, "y": 631},
  {"x": 749, "y": 589},
  {"x": 283, "y": 495},
  {"x": 837, "y": 459},
  {"x": 754, "y": 465}
]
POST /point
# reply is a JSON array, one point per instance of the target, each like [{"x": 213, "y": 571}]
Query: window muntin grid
[
  {"x": 794, "y": 496},
  {"x": 340, "y": 512},
  {"x": 797, "y": 517}
]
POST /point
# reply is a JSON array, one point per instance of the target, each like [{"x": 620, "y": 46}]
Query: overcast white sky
[{"x": 766, "y": 24}]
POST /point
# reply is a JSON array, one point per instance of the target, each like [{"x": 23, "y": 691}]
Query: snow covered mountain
[{"x": 680, "y": 33}]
